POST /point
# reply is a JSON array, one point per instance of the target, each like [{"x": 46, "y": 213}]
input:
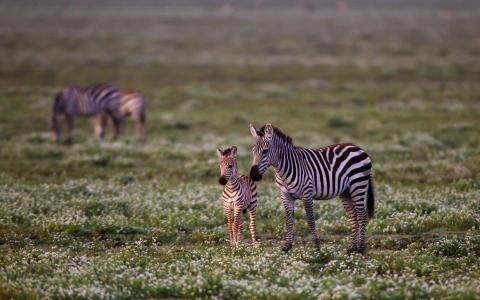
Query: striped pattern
[
  {"x": 88, "y": 101},
  {"x": 133, "y": 104},
  {"x": 239, "y": 195},
  {"x": 342, "y": 170}
]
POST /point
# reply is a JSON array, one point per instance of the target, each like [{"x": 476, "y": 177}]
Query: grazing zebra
[
  {"x": 313, "y": 174},
  {"x": 88, "y": 101},
  {"x": 131, "y": 104},
  {"x": 239, "y": 195}
]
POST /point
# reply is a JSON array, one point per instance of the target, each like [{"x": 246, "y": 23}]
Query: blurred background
[
  {"x": 399, "y": 78},
  {"x": 119, "y": 219}
]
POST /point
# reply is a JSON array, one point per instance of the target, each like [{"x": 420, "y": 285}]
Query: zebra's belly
[
  {"x": 327, "y": 195},
  {"x": 323, "y": 197},
  {"x": 300, "y": 194}
]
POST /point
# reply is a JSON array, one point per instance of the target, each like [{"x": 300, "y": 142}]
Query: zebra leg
[
  {"x": 352, "y": 216},
  {"x": 362, "y": 220},
  {"x": 141, "y": 127},
  {"x": 237, "y": 226},
  {"x": 118, "y": 124},
  {"x": 289, "y": 205},
  {"x": 229, "y": 223},
  {"x": 103, "y": 124},
  {"x": 358, "y": 198},
  {"x": 252, "y": 211},
  {"x": 70, "y": 125},
  {"x": 98, "y": 129},
  {"x": 54, "y": 127},
  {"x": 308, "y": 203}
]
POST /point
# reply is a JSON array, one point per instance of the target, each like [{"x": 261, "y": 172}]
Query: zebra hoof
[
  {"x": 361, "y": 251},
  {"x": 317, "y": 245},
  {"x": 286, "y": 248},
  {"x": 351, "y": 250}
]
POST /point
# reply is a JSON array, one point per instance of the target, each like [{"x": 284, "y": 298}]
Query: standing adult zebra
[
  {"x": 88, "y": 101},
  {"x": 312, "y": 174}
]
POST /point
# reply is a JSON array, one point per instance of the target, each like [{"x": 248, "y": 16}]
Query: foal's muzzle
[
  {"x": 254, "y": 174},
  {"x": 222, "y": 180}
]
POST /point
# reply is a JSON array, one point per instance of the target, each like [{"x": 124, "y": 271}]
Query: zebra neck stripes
[{"x": 233, "y": 184}]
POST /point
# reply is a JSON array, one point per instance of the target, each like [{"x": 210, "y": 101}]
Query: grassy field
[{"x": 123, "y": 220}]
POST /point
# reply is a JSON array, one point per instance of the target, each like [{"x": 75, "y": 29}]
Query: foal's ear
[
  {"x": 253, "y": 131},
  {"x": 233, "y": 151},
  {"x": 268, "y": 130},
  {"x": 219, "y": 152}
]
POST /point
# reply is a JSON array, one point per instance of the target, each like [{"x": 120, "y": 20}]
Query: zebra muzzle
[
  {"x": 222, "y": 180},
  {"x": 255, "y": 174}
]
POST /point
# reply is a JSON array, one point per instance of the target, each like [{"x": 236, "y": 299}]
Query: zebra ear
[
  {"x": 253, "y": 131},
  {"x": 219, "y": 152},
  {"x": 233, "y": 151},
  {"x": 268, "y": 130}
]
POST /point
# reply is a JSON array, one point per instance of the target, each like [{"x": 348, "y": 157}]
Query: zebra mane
[
  {"x": 278, "y": 132},
  {"x": 227, "y": 151}
]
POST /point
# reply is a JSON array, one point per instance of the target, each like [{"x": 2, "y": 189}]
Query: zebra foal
[
  {"x": 239, "y": 195},
  {"x": 91, "y": 101},
  {"x": 342, "y": 170}
]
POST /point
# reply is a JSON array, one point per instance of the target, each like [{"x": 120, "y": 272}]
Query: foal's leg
[
  {"x": 237, "y": 224},
  {"x": 228, "y": 214}
]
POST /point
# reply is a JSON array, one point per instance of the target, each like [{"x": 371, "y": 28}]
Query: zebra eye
[
  {"x": 265, "y": 151},
  {"x": 229, "y": 166}
]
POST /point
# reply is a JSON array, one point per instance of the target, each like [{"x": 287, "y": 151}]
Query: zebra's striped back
[
  {"x": 331, "y": 170},
  {"x": 88, "y": 101}
]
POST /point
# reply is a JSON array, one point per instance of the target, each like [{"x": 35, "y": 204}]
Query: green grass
[{"x": 123, "y": 220}]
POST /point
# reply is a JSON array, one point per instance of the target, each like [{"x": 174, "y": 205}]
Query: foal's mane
[
  {"x": 278, "y": 132},
  {"x": 227, "y": 151}
]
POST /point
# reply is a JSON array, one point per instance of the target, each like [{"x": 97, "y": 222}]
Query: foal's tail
[{"x": 370, "y": 199}]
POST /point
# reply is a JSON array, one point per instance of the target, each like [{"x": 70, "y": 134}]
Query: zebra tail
[{"x": 370, "y": 199}]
